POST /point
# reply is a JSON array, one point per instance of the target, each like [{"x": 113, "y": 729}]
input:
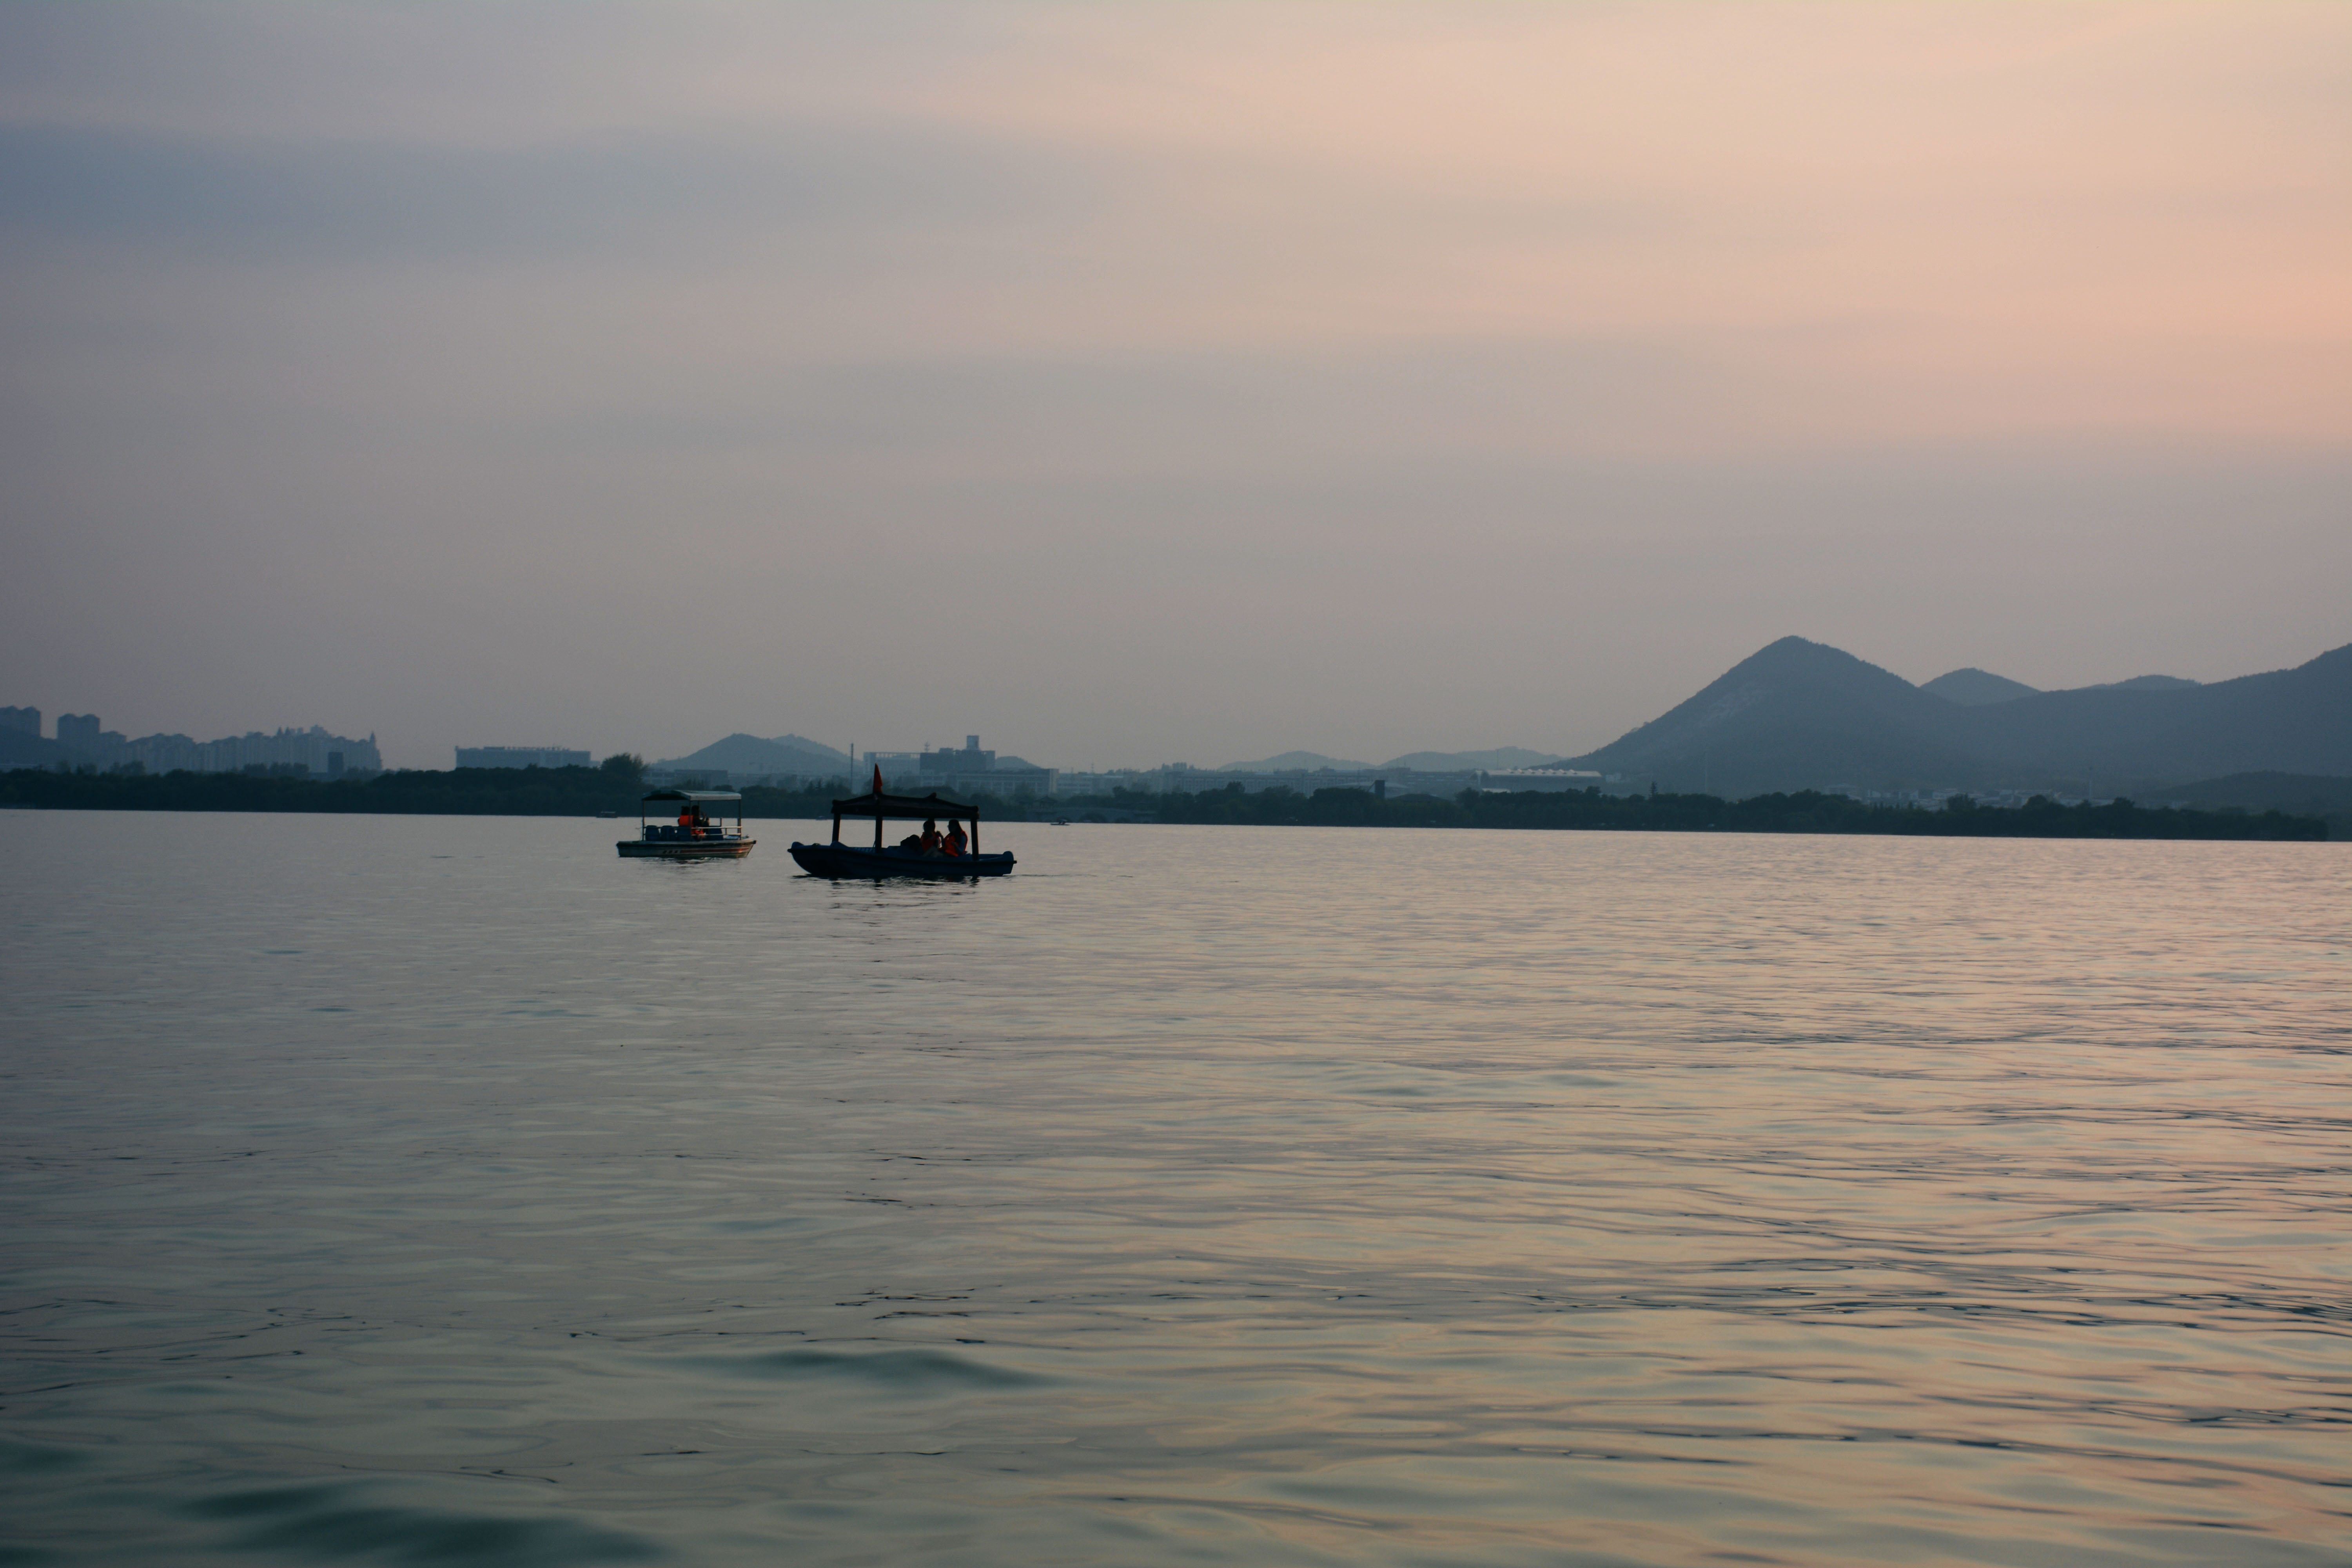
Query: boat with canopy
[
  {"x": 690, "y": 830},
  {"x": 839, "y": 859}
]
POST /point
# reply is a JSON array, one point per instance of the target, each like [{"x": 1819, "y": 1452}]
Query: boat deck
[{"x": 842, "y": 860}]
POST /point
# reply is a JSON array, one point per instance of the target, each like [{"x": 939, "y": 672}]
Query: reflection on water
[{"x": 452, "y": 1191}]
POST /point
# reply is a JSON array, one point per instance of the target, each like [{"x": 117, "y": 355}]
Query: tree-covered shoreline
[
  {"x": 459, "y": 792},
  {"x": 586, "y": 791},
  {"x": 1806, "y": 812}
]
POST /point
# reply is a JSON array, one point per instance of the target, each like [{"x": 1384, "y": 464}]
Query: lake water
[{"x": 451, "y": 1191}]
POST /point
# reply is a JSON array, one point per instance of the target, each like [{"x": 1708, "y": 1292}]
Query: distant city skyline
[
  {"x": 739, "y": 756},
  {"x": 1154, "y": 382},
  {"x": 82, "y": 739}
]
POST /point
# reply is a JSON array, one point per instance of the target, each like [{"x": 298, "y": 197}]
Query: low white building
[{"x": 1514, "y": 780}]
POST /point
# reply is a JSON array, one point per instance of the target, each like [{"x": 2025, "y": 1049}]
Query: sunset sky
[{"x": 1134, "y": 384}]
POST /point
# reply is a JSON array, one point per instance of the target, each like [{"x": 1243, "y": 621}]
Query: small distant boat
[
  {"x": 694, "y": 836},
  {"x": 839, "y": 859}
]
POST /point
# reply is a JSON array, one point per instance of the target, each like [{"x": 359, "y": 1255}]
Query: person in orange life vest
[
  {"x": 686, "y": 817},
  {"x": 931, "y": 836},
  {"x": 956, "y": 841}
]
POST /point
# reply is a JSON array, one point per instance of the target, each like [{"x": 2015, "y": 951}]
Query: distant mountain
[
  {"x": 1795, "y": 715},
  {"x": 1293, "y": 761},
  {"x": 748, "y": 756},
  {"x": 2294, "y": 721},
  {"x": 2299, "y": 795},
  {"x": 1976, "y": 689},
  {"x": 2303, "y": 794},
  {"x": 1799, "y": 715},
  {"x": 1467, "y": 761},
  {"x": 2146, "y": 683}
]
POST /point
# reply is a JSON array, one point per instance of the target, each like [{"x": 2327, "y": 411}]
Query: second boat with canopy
[{"x": 839, "y": 859}]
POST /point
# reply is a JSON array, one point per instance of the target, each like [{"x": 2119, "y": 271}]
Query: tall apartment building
[
  {"x": 978, "y": 772},
  {"x": 82, "y": 733},
  {"x": 314, "y": 751}
]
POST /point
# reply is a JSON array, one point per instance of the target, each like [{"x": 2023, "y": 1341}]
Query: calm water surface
[{"x": 405, "y": 1190}]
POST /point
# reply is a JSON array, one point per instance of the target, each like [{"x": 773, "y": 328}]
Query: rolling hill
[
  {"x": 1976, "y": 688},
  {"x": 748, "y": 756},
  {"x": 1291, "y": 762},
  {"x": 1799, "y": 715},
  {"x": 1465, "y": 761}
]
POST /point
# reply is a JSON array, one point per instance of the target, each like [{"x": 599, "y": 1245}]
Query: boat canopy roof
[
  {"x": 693, "y": 794},
  {"x": 874, "y": 803}
]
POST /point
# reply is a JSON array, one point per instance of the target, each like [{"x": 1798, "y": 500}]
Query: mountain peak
[
  {"x": 1974, "y": 688},
  {"x": 1796, "y": 659},
  {"x": 1780, "y": 718},
  {"x": 1295, "y": 762},
  {"x": 749, "y": 754}
]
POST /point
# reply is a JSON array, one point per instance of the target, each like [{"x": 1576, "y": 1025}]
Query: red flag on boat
[{"x": 877, "y": 779}]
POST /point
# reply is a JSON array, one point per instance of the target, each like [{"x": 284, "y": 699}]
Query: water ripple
[{"x": 404, "y": 1190}]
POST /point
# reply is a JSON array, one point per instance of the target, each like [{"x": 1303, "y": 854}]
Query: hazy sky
[{"x": 1139, "y": 382}]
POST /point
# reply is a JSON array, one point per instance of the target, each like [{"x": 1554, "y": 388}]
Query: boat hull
[
  {"x": 689, "y": 850},
  {"x": 842, "y": 860}
]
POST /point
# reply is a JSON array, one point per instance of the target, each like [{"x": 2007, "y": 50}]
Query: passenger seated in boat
[
  {"x": 931, "y": 840},
  {"x": 955, "y": 841}
]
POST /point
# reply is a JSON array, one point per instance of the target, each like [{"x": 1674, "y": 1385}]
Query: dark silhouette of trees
[{"x": 584, "y": 792}]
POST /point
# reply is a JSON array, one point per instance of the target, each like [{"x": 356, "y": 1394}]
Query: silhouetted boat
[
  {"x": 700, "y": 839},
  {"x": 839, "y": 859}
]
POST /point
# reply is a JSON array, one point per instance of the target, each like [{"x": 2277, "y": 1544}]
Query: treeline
[
  {"x": 460, "y": 791},
  {"x": 584, "y": 792},
  {"x": 1807, "y": 812}
]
